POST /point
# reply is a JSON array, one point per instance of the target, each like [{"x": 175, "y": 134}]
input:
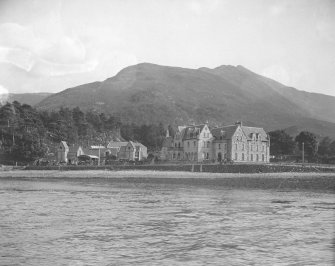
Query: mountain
[
  {"x": 28, "y": 98},
  {"x": 148, "y": 93}
]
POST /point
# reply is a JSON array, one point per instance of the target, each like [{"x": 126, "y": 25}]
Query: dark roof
[
  {"x": 138, "y": 144},
  {"x": 74, "y": 148},
  {"x": 256, "y": 130},
  {"x": 226, "y": 132},
  {"x": 95, "y": 152},
  {"x": 117, "y": 144},
  {"x": 192, "y": 132}
]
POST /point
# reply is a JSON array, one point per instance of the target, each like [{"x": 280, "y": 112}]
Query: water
[{"x": 60, "y": 222}]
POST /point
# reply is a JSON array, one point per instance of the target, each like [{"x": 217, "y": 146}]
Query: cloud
[
  {"x": 18, "y": 57},
  {"x": 45, "y": 55},
  {"x": 48, "y": 68}
]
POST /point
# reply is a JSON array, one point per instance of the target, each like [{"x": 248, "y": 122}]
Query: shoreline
[
  {"x": 149, "y": 174},
  {"x": 284, "y": 180}
]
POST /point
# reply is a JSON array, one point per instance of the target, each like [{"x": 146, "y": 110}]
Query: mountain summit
[{"x": 149, "y": 93}]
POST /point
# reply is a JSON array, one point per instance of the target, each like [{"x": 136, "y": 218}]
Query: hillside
[
  {"x": 148, "y": 93},
  {"x": 28, "y": 98}
]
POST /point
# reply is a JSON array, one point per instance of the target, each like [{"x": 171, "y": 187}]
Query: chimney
[
  {"x": 167, "y": 133},
  {"x": 238, "y": 123}
]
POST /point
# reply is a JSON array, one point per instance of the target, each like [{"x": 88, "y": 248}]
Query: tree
[
  {"x": 310, "y": 143},
  {"x": 332, "y": 148},
  {"x": 281, "y": 143},
  {"x": 324, "y": 147},
  {"x": 79, "y": 121}
]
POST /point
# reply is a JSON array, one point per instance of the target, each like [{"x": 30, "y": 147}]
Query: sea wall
[{"x": 209, "y": 168}]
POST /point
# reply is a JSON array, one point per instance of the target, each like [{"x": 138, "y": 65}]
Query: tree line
[
  {"x": 283, "y": 145},
  {"x": 28, "y": 134}
]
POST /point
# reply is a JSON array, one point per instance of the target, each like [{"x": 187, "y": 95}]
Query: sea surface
[{"x": 102, "y": 222}]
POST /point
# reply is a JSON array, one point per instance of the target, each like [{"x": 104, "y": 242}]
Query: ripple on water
[{"x": 87, "y": 223}]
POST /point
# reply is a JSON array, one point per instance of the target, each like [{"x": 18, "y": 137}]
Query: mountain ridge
[{"x": 146, "y": 93}]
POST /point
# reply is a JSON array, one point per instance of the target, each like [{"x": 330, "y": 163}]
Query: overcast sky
[{"x": 53, "y": 45}]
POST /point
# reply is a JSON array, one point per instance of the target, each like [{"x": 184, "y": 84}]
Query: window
[
  {"x": 251, "y": 157},
  {"x": 194, "y": 144},
  {"x": 263, "y": 147},
  {"x": 174, "y": 156},
  {"x": 235, "y": 156},
  {"x": 252, "y": 147},
  {"x": 257, "y": 157},
  {"x": 263, "y": 157},
  {"x": 179, "y": 145},
  {"x": 207, "y": 156},
  {"x": 225, "y": 146},
  {"x": 175, "y": 145},
  {"x": 256, "y": 147},
  {"x": 219, "y": 146},
  {"x": 188, "y": 144},
  {"x": 243, "y": 147},
  {"x": 207, "y": 144},
  {"x": 203, "y": 144},
  {"x": 242, "y": 156}
]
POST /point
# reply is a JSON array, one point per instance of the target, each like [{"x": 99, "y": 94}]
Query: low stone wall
[{"x": 210, "y": 168}]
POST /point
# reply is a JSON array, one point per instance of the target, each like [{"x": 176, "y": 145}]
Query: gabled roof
[
  {"x": 138, "y": 144},
  {"x": 117, "y": 144},
  {"x": 95, "y": 152},
  {"x": 181, "y": 128},
  {"x": 192, "y": 132},
  {"x": 132, "y": 144},
  {"x": 256, "y": 130},
  {"x": 64, "y": 144},
  {"x": 74, "y": 148},
  {"x": 226, "y": 132}
]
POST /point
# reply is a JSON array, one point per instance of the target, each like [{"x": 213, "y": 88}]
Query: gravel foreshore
[{"x": 291, "y": 180}]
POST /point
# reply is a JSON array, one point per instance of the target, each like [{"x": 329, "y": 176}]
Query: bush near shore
[{"x": 210, "y": 168}]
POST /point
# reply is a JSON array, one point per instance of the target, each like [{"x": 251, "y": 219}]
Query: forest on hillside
[{"x": 28, "y": 134}]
